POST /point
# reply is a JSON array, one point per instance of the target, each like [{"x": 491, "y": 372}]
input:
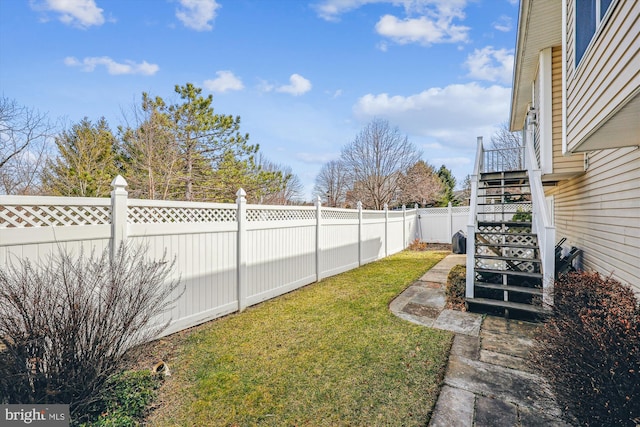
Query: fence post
[
  {"x": 118, "y": 213},
  {"x": 241, "y": 218},
  {"x": 359, "y": 233},
  {"x": 318, "y": 225},
  {"x": 449, "y": 221},
  {"x": 386, "y": 230},
  {"x": 417, "y": 232},
  {"x": 404, "y": 226}
]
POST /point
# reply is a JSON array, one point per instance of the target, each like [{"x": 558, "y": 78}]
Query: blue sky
[{"x": 304, "y": 75}]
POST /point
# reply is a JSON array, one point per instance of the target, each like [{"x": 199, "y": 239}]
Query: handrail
[
  {"x": 471, "y": 224},
  {"x": 542, "y": 224},
  {"x": 503, "y": 159}
]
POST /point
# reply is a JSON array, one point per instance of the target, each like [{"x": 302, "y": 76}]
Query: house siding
[
  {"x": 569, "y": 164},
  {"x": 599, "y": 212},
  {"x": 608, "y": 73}
]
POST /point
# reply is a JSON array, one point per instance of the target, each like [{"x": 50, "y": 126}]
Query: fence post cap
[
  {"x": 241, "y": 193},
  {"x": 118, "y": 182},
  {"x": 386, "y": 207},
  {"x": 318, "y": 201},
  {"x": 359, "y": 205}
]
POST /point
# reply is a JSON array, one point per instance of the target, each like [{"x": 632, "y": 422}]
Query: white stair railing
[
  {"x": 542, "y": 223},
  {"x": 471, "y": 224}
]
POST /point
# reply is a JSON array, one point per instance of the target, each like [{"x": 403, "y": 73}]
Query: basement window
[{"x": 590, "y": 15}]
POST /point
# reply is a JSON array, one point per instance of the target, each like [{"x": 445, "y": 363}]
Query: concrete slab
[
  {"x": 421, "y": 310},
  {"x": 495, "y": 413},
  {"x": 534, "y": 418},
  {"x": 466, "y": 346},
  {"x": 429, "y": 298},
  {"x": 504, "y": 360},
  {"x": 453, "y": 409},
  {"x": 521, "y": 388},
  {"x": 459, "y": 322},
  {"x": 424, "y": 321},
  {"x": 518, "y": 346}
]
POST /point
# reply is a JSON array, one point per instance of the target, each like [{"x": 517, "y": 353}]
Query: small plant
[
  {"x": 589, "y": 349},
  {"x": 68, "y": 324},
  {"x": 125, "y": 399},
  {"x": 522, "y": 216},
  {"x": 456, "y": 287}
]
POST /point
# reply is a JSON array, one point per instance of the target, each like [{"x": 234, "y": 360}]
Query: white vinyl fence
[
  {"x": 438, "y": 225},
  {"x": 229, "y": 256}
]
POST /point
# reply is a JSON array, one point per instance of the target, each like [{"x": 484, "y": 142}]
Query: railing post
[
  {"x": 359, "y": 233},
  {"x": 118, "y": 214},
  {"x": 241, "y": 218},
  {"x": 318, "y": 233}
]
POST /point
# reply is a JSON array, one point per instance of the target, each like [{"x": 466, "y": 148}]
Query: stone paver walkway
[{"x": 488, "y": 381}]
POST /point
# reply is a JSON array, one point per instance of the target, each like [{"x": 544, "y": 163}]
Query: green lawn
[{"x": 329, "y": 354}]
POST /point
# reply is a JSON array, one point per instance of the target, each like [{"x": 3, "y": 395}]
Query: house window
[{"x": 589, "y": 16}]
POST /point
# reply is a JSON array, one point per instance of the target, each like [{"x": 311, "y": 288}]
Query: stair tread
[
  {"x": 511, "y": 288},
  {"x": 511, "y": 204},
  {"x": 505, "y": 222},
  {"x": 508, "y": 272},
  {"x": 509, "y": 245},
  {"x": 508, "y": 258},
  {"x": 510, "y": 305}
]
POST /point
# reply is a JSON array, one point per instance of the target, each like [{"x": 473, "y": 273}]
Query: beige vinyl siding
[
  {"x": 562, "y": 165},
  {"x": 599, "y": 212},
  {"x": 608, "y": 73}
]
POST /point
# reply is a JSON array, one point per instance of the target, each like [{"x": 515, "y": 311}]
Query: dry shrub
[
  {"x": 456, "y": 287},
  {"x": 589, "y": 350},
  {"x": 417, "y": 245},
  {"x": 68, "y": 323}
]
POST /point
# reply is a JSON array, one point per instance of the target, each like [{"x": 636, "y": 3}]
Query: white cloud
[
  {"x": 426, "y": 21},
  {"x": 197, "y": 14},
  {"x": 503, "y": 24},
  {"x": 115, "y": 68},
  {"x": 452, "y": 116},
  {"x": 494, "y": 65},
  {"x": 421, "y": 30},
  {"x": 225, "y": 82},
  {"x": 77, "y": 13},
  {"x": 297, "y": 86}
]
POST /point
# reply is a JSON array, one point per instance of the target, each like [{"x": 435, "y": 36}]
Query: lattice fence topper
[
  {"x": 53, "y": 216},
  {"x": 163, "y": 215},
  {"x": 280, "y": 214},
  {"x": 329, "y": 214},
  {"x": 507, "y": 207},
  {"x": 434, "y": 211}
]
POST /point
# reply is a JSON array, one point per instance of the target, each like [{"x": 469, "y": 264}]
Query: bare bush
[
  {"x": 68, "y": 323},
  {"x": 589, "y": 350}
]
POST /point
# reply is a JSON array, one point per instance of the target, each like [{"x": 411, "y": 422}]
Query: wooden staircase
[{"x": 507, "y": 265}]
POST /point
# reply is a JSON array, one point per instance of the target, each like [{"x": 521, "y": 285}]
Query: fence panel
[
  {"x": 281, "y": 250},
  {"x": 201, "y": 237},
  {"x": 438, "y": 225},
  {"x": 338, "y": 241},
  {"x": 373, "y": 236}
]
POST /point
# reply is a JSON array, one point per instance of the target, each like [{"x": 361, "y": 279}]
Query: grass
[{"x": 329, "y": 354}]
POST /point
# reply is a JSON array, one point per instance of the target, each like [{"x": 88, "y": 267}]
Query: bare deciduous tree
[
  {"x": 374, "y": 162},
  {"x": 287, "y": 189},
  {"x": 332, "y": 184},
  {"x": 510, "y": 146},
  {"x": 152, "y": 160},
  {"x": 420, "y": 185},
  {"x": 24, "y": 135}
]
